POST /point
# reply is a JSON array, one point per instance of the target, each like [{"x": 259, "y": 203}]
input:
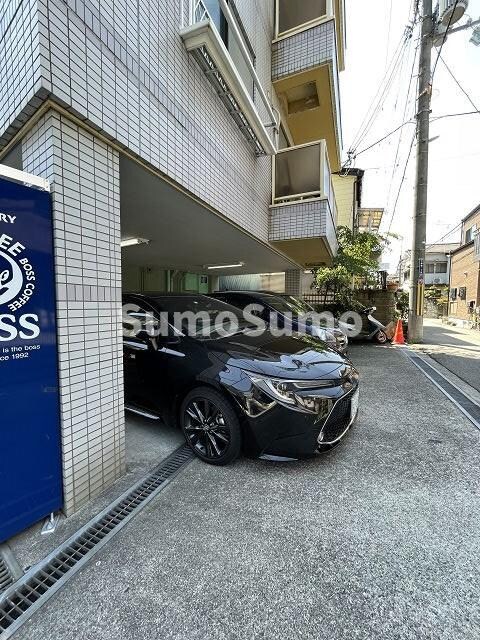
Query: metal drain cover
[{"x": 20, "y": 600}]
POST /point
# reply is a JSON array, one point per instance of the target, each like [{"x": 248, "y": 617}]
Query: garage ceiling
[{"x": 184, "y": 234}]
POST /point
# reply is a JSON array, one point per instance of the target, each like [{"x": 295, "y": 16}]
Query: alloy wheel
[{"x": 206, "y": 428}]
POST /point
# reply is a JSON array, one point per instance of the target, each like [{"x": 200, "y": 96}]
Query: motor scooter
[{"x": 372, "y": 328}]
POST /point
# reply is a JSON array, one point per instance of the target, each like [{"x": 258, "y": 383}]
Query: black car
[
  {"x": 289, "y": 311},
  {"x": 231, "y": 390}
]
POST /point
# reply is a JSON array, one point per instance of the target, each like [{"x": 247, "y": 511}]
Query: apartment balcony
[
  {"x": 215, "y": 37},
  {"x": 307, "y": 54},
  {"x": 303, "y": 211}
]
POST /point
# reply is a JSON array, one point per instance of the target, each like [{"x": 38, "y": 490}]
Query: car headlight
[{"x": 291, "y": 393}]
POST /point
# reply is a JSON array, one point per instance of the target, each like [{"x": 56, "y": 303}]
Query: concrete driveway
[
  {"x": 456, "y": 349},
  {"x": 378, "y": 540}
]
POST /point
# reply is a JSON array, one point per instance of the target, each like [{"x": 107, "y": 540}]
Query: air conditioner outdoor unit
[{"x": 451, "y": 11}]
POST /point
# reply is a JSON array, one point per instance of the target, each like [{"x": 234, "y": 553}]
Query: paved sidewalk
[
  {"x": 379, "y": 539},
  {"x": 456, "y": 349}
]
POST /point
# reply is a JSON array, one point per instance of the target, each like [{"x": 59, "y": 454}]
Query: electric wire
[
  {"x": 402, "y": 182},
  {"x": 381, "y": 94},
  {"x": 400, "y": 137},
  {"x": 449, "y": 233},
  {"x": 433, "y": 119},
  {"x": 443, "y": 42},
  {"x": 452, "y": 75}
]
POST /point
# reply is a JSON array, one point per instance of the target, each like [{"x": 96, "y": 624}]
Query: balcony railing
[
  {"x": 293, "y": 16},
  {"x": 214, "y": 36},
  {"x": 303, "y": 173}
]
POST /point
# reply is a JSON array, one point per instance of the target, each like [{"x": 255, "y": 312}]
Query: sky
[{"x": 374, "y": 31}]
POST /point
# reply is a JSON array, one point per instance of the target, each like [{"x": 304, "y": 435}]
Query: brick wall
[
  {"x": 464, "y": 262},
  {"x": 383, "y": 300}
]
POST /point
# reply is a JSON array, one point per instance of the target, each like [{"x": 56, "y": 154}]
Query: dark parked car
[
  {"x": 229, "y": 390},
  {"x": 286, "y": 307}
]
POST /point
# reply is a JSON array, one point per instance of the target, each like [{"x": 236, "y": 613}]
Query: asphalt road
[
  {"x": 458, "y": 350},
  {"x": 378, "y": 540}
]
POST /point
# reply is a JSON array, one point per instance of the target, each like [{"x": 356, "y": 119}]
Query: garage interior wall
[
  {"x": 84, "y": 176},
  {"x": 153, "y": 279}
]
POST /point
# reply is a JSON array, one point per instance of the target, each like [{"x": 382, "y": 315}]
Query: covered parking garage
[{"x": 173, "y": 242}]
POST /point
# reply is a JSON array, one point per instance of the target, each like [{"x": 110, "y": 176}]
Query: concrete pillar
[
  {"x": 84, "y": 174},
  {"x": 293, "y": 282}
]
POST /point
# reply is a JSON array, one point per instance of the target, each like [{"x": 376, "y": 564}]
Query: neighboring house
[
  {"x": 156, "y": 124},
  {"x": 465, "y": 273},
  {"x": 436, "y": 267},
  {"x": 347, "y": 185},
  {"x": 369, "y": 220}
]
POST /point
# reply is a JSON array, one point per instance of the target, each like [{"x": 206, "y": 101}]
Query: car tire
[
  {"x": 381, "y": 337},
  {"x": 211, "y": 426}
]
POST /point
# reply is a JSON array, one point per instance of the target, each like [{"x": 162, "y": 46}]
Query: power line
[
  {"x": 382, "y": 92},
  {"x": 400, "y": 137},
  {"x": 401, "y": 182},
  {"x": 395, "y": 68},
  {"x": 385, "y": 137},
  {"x": 443, "y": 42},
  {"x": 434, "y": 119},
  {"x": 449, "y": 233},
  {"x": 455, "y": 115},
  {"x": 458, "y": 84}
]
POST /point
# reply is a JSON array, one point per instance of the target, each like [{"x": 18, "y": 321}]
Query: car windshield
[
  {"x": 282, "y": 305},
  {"x": 198, "y": 316},
  {"x": 299, "y": 305}
]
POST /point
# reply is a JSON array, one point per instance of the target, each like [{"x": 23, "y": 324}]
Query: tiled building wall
[
  {"x": 123, "y": 67},
  {"x": 303, "y": 50},
  {"x": 293, "y": 282},
  {"x": 84, "y": 175},
  {"x": 22, "y": 86},
  {"x": 302, "y": 220}
]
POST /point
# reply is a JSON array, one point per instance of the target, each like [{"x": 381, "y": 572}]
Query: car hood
[{"x": 296, "y": 357}]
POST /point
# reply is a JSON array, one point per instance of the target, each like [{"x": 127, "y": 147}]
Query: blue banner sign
[{"x": 30, "y": 458}]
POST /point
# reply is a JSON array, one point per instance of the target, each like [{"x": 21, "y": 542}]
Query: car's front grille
[{"x": 337, "y": 422}]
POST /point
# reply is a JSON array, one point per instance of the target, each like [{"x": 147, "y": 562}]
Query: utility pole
[
  {"x": 429, "y": 32},
  {"x": 419, "y": 237}
]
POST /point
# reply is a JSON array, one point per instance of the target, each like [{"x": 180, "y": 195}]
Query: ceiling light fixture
[
  {"x": 132, "y": 242},
  {"x": 224, "y": 266}
]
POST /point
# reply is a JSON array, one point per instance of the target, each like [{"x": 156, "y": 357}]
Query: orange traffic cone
[{"x": 398, "y": 337}]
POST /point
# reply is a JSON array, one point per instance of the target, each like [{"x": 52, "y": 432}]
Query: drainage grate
[
  {"x": 468, "y": 407},
  {"x": 10, "y": 570},
  {"x": 5, "y": 576},
  {"x": 29, "y": 593}
]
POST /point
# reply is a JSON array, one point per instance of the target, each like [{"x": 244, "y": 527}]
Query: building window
[
  {"x": 292, "y": 14},
  {"x": 430, "y": 267},
  {"x": 462, "y": 293},
  {"x": 232, "y": 43},
  {"x": 441, "y": 267},
  {"x": 470, "y": 234},
  {"x": 453, "y": 294}
]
